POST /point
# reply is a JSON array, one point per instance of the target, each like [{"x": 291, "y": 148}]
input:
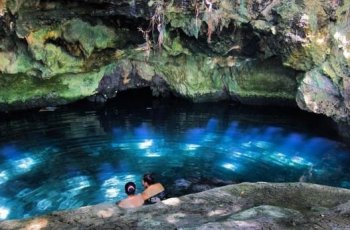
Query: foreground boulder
[{"x": 240, "y": 206}]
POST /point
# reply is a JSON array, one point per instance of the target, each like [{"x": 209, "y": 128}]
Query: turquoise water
[{"x": 75, "y": 157}]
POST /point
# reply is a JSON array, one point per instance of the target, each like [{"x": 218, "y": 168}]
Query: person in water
[
  {"x": 132, "y": 201},
  {"x": 154, "y": 192}
]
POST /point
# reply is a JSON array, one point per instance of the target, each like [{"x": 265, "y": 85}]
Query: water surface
[{"x": 75, "y": 157}]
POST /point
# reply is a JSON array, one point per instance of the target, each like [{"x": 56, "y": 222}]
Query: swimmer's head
[
  {"x": 130, "y": 188},
  {"x": 148, "y": 180}
]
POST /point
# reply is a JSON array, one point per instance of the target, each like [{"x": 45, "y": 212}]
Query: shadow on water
[
  {"x": 140, "y": 103},
  {"x": 83, "y": 154}
]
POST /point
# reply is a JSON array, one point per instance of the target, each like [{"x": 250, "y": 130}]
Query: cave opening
[{"x": 141, "y": 97}]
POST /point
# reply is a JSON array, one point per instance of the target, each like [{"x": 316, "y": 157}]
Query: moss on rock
[
  {"x": 255, "y": 81},
  {"x": 57, "y": 49},
  {"x": 18, "y": 90},
  {"x": 190, "y": 76},
  {"x": 199, "y": 78},
  {"x": 89, "y": 37}
]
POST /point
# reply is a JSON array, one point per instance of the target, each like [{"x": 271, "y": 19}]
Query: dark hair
[
  {"x": 148, "y": 178},
  {"x": 130, "y": 188}
]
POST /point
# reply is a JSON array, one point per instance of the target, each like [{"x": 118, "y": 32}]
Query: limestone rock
[{"x": 317, "y": 93}]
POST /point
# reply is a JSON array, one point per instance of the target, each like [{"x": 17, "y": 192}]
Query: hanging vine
[
  {"x": 204, "y": 10},
  {"x": 156, "y": 26}
]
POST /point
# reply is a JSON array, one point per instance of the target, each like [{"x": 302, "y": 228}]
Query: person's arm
[
  {"x": 152, "y": 191},
  {"x": 145, "y": 194}
]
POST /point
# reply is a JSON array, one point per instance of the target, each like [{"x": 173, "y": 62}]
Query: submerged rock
[
  {"x": 240, "y": 206},
  {"x": 182, "y": 184}
]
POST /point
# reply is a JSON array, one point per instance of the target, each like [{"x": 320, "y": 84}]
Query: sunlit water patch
[{"x": 69, "y": 158}]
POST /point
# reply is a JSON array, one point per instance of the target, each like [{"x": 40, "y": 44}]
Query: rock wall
[{"x": 251, "y": 51}]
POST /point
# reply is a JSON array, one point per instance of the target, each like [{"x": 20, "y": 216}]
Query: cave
[{"x": 239, "y": 110}]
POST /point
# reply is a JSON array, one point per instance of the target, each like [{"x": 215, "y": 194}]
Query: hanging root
[
  {"x": 157, "y": 20},
  {"x": 209, "y": 6},
  {"x": 160, "y": 29},
  {"x": 147, "y": 46},
  {"x": 196, "y": 8}
]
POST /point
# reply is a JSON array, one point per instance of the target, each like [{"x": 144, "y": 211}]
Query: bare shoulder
[
  {"x": 132, "y": 202},
  {"x": 139, "y": 199}
]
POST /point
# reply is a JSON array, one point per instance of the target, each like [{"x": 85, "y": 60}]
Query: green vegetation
[{"x": 21, "y": 89}]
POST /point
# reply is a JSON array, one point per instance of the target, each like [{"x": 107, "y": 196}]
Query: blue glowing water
[{"x": 69, "y": 158}]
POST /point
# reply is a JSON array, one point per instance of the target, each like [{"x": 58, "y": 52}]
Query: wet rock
[
  {"x": 182, "y": 184},
  {"x": 201, "y": 187},
  {"x": 159, "y": 86},
  {"x": 220, "y": 182}
]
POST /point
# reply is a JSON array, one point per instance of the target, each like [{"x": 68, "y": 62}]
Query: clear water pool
[{"x": 75, "y": 157}]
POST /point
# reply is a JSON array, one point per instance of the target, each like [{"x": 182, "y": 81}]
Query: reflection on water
[{"x": 71, "y": 158}]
